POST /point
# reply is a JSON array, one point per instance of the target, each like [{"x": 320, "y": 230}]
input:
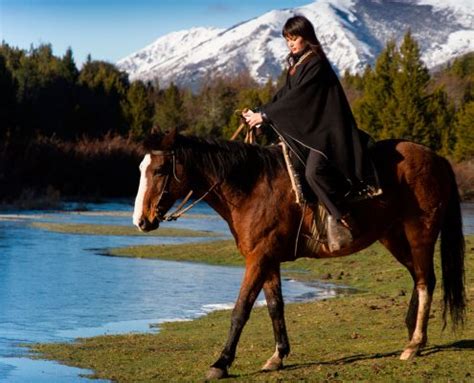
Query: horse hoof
[
  {"x": 216, "y": 373},
  {"x": 409, "y": 353},
  {"x": 272, "y": 365}
]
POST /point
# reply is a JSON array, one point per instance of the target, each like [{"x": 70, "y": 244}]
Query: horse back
[{"x": 414, "y": 178}]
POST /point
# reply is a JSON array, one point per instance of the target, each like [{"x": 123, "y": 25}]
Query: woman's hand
[{"x": 253, "y": 119}]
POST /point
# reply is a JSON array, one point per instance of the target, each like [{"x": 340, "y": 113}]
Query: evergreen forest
[{"x": 76, "y": 132}]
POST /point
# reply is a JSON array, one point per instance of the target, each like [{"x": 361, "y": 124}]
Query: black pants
[{"x": 327, "y": 182}]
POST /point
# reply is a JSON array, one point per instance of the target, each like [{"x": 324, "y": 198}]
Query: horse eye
[{"x": 158, "y": 171}]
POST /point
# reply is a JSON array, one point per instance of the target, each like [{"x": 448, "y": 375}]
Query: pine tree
[
  {"x": 105, "y": 76},
  {"x": 409, "y": 87},
  {"x": 375, "y": 111},
  {"x": 40, "y": 93},
  {"x": 102, "y": 100},
  {"x": 170, "y": 112},
  {"x": 464, "y": 148},
  {"x": 396, "y": 102},
  {"x": 218, "y": 104},
  {"x": 68, "y": 66},
  {"x": 138, "y": 110},
  {"x": 440, "y": 120}
]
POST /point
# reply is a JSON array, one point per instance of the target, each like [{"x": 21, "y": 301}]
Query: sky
[{"x": 112, "y": 29}]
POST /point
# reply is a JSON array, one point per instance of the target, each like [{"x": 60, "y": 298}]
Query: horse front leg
[
  {"x": 249, "y": 290},
  {"x": 275, "y": 305}
]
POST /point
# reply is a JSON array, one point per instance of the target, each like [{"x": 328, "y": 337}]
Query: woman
[{"x": 311, "y": 115}]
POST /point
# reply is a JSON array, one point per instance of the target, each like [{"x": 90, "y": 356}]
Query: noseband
[{"x": 180, "y": 210}]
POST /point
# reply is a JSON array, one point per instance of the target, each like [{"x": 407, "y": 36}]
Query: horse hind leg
[
  {"x": 412, "y": 312},
  {"x": 418, "y": 259},
  {"x": 417, "y": 321},
  {"x": 420, "y": 304}
]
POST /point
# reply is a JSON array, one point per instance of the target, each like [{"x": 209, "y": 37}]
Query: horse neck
[
  {"x": 226, "y": 198},
  {"x": 220, "y": 198}
]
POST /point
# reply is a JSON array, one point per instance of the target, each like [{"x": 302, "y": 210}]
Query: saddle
[{"x": 323, "y": 223}]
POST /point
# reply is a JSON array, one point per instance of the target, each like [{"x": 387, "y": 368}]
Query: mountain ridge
[{"x": 352, "y": 32}]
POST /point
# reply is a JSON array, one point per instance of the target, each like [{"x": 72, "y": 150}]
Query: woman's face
[{"x": 296, "y": 44}]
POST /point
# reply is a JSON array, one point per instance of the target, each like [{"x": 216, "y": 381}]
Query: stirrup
[
  {"x": 348, "y": 221},
  {"x": 339, "y": 236}
]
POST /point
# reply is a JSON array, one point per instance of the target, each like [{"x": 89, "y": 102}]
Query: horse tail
[{"x": 452, "y": 257}]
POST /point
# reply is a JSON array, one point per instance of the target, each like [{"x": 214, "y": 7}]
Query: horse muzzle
[{"x": 144, "y": 225}]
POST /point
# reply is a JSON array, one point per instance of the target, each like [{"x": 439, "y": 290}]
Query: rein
[
  {"x": 249, "y": 132},
  {"x": 180, "y": 210}
]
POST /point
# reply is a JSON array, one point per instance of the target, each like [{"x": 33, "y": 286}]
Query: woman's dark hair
[{"x": 300, "y": 26}]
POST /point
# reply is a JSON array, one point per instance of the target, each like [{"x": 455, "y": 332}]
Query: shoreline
[
  {"x": 355, "y": 349},
  {"x": 61, "y": 206}
]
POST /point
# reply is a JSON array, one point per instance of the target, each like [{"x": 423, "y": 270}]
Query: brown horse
[{"x": 250, "y": 188}]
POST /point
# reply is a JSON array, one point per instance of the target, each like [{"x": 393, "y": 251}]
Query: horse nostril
[{"x": 141, "y": 223}]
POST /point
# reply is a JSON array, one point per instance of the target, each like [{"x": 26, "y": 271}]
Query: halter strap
[
  {"x": 162, "y": 152},
  {"x": 178, "y": 213},
  {"x": 180, "y": 210},
  {"x": 167, "y": 153}
]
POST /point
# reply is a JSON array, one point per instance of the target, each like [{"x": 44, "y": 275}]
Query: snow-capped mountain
[{"x": 352, "y": 32}]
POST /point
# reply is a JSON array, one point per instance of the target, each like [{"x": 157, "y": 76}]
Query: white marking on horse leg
[
  {"x": 424, "y": 304},
  {"x": 274, "y": 363},
  {"x": 419, "y": 337},
  {"x": 138, "y": 209}
]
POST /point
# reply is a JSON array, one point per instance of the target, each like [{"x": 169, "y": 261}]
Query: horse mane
[{"x": 237, "y": 163}]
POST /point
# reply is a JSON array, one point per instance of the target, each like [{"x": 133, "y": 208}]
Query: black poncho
[{"x": 312, "y": 111}]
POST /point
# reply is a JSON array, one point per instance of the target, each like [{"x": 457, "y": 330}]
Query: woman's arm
[
  {"x": 286, "y": 97},
  {"x": 252, "y": 118}
]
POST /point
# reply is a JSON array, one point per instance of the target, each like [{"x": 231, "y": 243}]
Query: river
[{"x": 55, "y": 287}]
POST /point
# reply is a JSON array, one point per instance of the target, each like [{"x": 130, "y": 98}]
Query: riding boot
[{"x": 341, "y": 232}]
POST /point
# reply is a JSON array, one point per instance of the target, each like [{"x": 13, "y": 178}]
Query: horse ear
[
  {"x": 153, "y": 140},
  {"x": 155, "y": 130},
  {"x": 169, "y": 139}
]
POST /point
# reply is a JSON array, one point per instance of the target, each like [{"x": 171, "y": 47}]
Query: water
[
  {"x": 468, "y": 217},
  {"x": 56, "y": 287}
]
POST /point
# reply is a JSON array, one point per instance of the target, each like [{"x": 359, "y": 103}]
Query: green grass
[
  {"x": 354, "y": 337},
  {"x": 89, "y": 229},
  {"x": 221, "y": 252}
]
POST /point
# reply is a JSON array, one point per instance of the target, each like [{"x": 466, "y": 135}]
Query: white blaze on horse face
[{"x": 138, "y": 210}]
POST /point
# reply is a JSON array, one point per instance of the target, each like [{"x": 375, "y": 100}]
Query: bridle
[{"x": 180, "y": 210}]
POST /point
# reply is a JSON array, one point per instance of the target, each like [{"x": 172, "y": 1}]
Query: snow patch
[
  {"x": 352, "y": 33},
  {"x": 458, "y": 43}
]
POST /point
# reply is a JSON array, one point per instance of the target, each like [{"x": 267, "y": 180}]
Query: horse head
[{"x": 161, "y": 180}]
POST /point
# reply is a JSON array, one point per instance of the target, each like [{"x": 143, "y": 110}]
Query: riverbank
[
  {"x": 352, "y": 337},
  {"x": 48, "y": 171},
  {"x": 91, "y": 229}
]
